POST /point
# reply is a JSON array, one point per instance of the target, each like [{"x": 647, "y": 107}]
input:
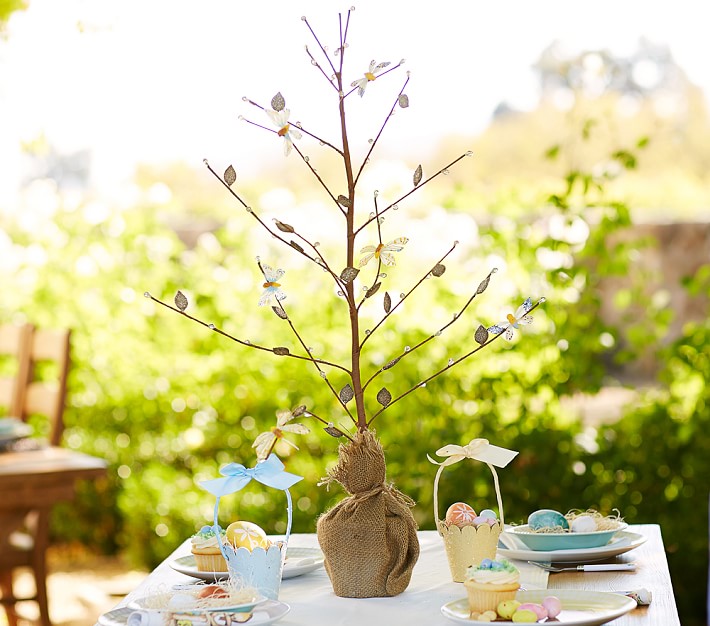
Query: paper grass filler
[{"x": 355, "y": 272}]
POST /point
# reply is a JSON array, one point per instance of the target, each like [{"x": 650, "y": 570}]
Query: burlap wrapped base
[{"x": 369, "y": 539}]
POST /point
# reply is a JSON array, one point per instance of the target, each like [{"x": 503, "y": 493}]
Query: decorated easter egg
[
  {"x": 488, "y": 514},
  {"x": 553, "y": 606},
  {"x": 460, "y": 514},
  {"x": 547, "y": 518},
  {"x": 583, "y": 524},
  {"x": 246, "y": 535},
  {"x": 181, "y": 601}
]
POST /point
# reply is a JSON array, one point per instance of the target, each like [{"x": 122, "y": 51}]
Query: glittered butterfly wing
[
  {"x": 263, "y": 444},
  {"x": 271, "y": 274}
]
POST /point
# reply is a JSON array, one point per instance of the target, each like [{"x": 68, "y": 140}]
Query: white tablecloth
[{"x": 313, "y": 602}]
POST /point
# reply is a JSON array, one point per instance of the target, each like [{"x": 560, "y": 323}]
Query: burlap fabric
[{"x": 369, "y": 539}]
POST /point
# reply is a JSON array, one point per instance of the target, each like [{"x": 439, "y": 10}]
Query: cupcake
[
  {"x": 490, "y": 582},
  {"x": 205, "y": 549}
]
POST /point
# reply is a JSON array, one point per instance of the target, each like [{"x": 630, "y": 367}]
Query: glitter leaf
[
  {"x": 281, "y": 351},
  {"x": 384, "y": 397},
  {"x": 230, "y": 176},
  {"x": 387, "y": 303},
  {"x": 333, "y": 431},
  {"x": 404, "y": 101},
  {"x": 180, "y": 301},
  {"x": 299, "y": 410},
  {"x": 284, "y": 228},
  {"x": 372, "y": 290},
  {"x": 438, "y": 270},
  {"x": 484, "y": 284},
  {"x": 418, "y": 175},
  {"x": 392, "y": 363},
  {"x": 344, "y": 201},
  {"x": 348, "y": 274},
  {"x": 277, "y": 102},
  {"x": 280, "y": 312},
  {"x": 295, "y": 246},
  {"x": 346, "y": 394},
  {"x": 481, "y": 335}
]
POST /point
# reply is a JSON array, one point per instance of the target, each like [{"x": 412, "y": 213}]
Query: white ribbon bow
[{"x": 478, "y": 449}]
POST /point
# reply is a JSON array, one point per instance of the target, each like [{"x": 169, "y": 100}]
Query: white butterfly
[
  {"x": 272, "y": 288},
  {"x": 383, "y": 251},
  {"x": 370, "y": 75},
  {"x": 265, "y": 441},
  {"x": 286, "y": 130},
  {"x": 521, "y": 317}
]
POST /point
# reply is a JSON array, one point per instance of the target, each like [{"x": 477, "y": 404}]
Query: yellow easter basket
[{"x": 470, "y": 544}]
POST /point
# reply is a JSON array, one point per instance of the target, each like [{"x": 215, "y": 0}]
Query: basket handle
[{"x": 495, "y": 483}]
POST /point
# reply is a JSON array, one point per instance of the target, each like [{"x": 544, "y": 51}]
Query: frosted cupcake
[
  {"x": 490, "y": 582},
  {"x": 205, "y": 548}
]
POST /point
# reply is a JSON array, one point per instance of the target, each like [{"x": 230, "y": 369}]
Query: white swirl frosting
[
  {"x": 493, "y": 577},
  {"x": 201, "y": 543}
]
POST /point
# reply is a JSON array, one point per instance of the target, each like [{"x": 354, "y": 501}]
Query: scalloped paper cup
[
  {"x": 468, "y": 545},
  {"x": 258, "y": 568}
]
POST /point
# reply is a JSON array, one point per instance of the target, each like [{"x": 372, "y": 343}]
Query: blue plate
[{"x": 547, "y": 542}]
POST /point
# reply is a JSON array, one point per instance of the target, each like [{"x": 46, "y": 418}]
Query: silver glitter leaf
[
  {"x": 284, "y": 228},
  {"x": 344, "y": 201},
  {"x": 230, "y": 176},
  {"x": 384, "y": 397},
  {"x": 346, "y": 394},
  {"x": 373, "y": 290},
  {"x": 348, "y": 274},
  {"x": 299, "y": 410},
  {"x": 387, "y": 303},
  {"x": 295, "y": 246},
  {"x": 484, "y": 284},
  {"x": 392, "y": 363},
  {"x": 333, "y": 431},
  {"x": 180, "y": 301},
  {"x": 418, "y": 175},
  {"x": 438, "y": 270},
  {"x": 404, "y": 101},
  {"x": 280, "y": 312},
  {"x": 281, "y": 351},
  {"x": 481, "y": 335},
  {"x": 277, "y": 102}
]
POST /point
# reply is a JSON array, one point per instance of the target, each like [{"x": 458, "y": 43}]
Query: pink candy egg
[
  {"x": 460, "y": 514},
  {"x": 538, "y": 609},
  {"x": 553, "y": 606}
]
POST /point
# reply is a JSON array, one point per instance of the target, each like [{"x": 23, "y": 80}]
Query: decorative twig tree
[{"x": 381, "y": 510}]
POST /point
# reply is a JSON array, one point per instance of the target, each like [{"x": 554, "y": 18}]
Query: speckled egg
[
  {"x": 583, "y": 524},
  {"x": 460, "y": 514},
  {"x": 547, "y": 518}
]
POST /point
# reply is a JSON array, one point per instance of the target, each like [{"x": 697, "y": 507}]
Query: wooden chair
[
  {"x": 15, "y": 342},
  {"x": 47, "y": 352}
]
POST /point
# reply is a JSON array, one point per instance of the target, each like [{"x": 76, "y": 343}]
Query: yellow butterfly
[
  {"x": 265, "y": 442},
  {"x": 383, "y": 251}
]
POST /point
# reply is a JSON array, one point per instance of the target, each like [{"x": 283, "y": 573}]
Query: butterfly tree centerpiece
[{"x": 369, "y": 538}]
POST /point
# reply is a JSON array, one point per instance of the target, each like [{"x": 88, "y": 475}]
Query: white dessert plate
[
  {"x": 266, "y": 613},
  {"x": 299, "y": 561},
  {"x": 621, "y": 542},
  {"x": 581, "y": 608}
]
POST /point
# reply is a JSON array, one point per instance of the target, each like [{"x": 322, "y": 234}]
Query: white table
[{"x": 313, "y": 602}]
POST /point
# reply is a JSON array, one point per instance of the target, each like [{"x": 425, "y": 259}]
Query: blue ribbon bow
[{"x": 269, "y": 472}]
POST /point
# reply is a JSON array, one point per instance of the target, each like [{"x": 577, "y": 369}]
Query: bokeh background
[{"x": 590, "y": 131}]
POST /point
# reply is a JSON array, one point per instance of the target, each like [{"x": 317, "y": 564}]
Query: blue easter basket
[{"x": 258, "y": 568}]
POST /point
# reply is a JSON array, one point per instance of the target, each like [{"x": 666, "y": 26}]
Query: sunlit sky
[{"x": 156, "y": 80}]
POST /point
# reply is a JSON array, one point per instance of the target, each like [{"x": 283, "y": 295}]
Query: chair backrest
[
  {"x": 15, "y": 347},
  {"x": 46, "y": 383}
]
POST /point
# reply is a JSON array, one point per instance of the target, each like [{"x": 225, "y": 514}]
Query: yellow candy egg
[{"x": 246, "y": 535}]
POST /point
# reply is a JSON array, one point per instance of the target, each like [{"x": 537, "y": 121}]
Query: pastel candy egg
[
  {"x": 460, "y": 514},
  {"x": 583, "y": 524},
  {"x": 553, "y": 606},
  {"x": 538, "y": 609},
  {"x": 547, "y": 518},
  {"x": 526, "y": 616},
  {"x": 246, "y": 535}
]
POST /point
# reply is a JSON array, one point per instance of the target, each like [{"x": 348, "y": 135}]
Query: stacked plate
[{"x": 12, "y": 429}]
